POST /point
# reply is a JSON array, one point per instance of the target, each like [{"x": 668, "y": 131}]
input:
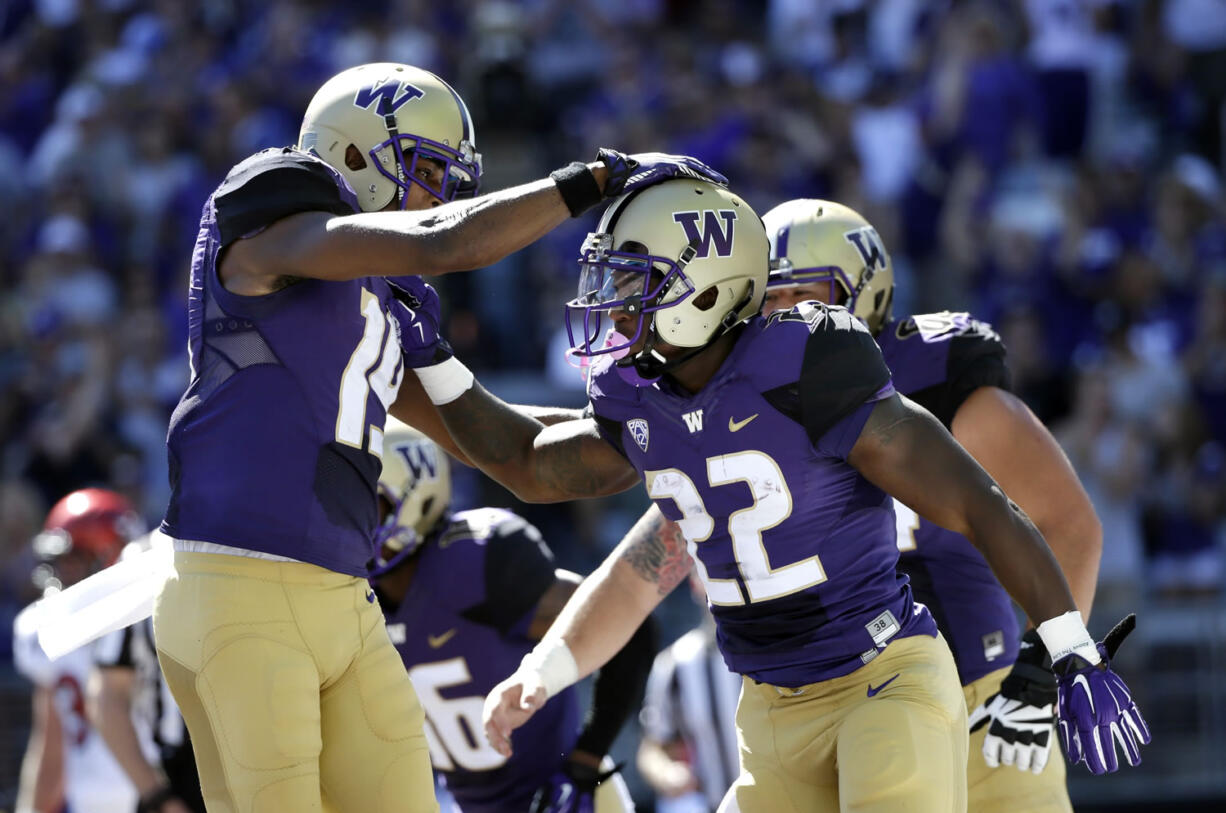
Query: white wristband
[
  {"x": 1067, "y": 635},
  {"x": 446, "y": 381},
  {"x": 552, "y": 660}
]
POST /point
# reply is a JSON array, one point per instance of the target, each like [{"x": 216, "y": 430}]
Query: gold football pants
[
  {"x": 292, "y": 692},
  {"x": 1006, "y": 789},
  {"x": 890, "y": 736}
]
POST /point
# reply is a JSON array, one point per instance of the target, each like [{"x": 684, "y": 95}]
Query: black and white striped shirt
[
  {"x": 154, "y": 712},
  {"x": 691, "y": 697}
]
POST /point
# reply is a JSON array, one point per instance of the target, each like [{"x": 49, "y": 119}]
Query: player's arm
[
  {"x": 617, "y": 691},
  {"x": 565, "y": 461},
  {"x": 597, "y": 622},
  {"x": 414, "y": 408},
  {"x": 41, "y": 786},
  {"x": 1018, "y": 452},
  {"x": 458, "y": 236},
  {"x": 906, "y": 452}
]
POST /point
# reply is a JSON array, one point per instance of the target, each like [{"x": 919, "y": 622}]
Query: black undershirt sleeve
[
  {"x": 519, "y": 568},
  {"x": 842, "y": 368},
  {"x": 610, "y": 429},
  {"x": 272, "y": 185},
  {"x": 617, "y": 690},
  {"x": 975, "y": 360}
]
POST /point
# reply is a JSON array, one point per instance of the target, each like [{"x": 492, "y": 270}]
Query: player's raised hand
[
  {"x": 510, "y": 704},
  {"x": 630, "y": 172},
  {"x": 1095, "y": 709},
  {"x": 1020, "y": 717},
  {"x": 418, "y": 316}
]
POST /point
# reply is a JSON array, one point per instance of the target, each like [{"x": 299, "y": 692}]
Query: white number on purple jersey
[
  {"x": 906, "y": 523},
  {"x": 772, "y": 505},
  {"x": 453, "y": 726},
  {"x": 362, "y": 376}
]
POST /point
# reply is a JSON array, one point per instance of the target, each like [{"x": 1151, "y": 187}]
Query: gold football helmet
[
  {"x": 372, "y": 123},
  {"x": 819, "y": 241}
]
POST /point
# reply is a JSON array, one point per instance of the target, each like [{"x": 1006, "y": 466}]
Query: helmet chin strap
[{"x": 649, "y": 365}]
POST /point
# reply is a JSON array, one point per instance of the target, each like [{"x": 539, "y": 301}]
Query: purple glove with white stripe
[
  {"x": 630, "y": 172},
  {"x": 1094, "y": 709}
]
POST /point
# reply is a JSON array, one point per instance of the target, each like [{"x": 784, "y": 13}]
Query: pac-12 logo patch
[
  {"x": 638, "y": 431},
  {"x": 386, "y": 96}
]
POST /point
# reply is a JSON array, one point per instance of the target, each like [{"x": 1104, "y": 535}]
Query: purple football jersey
[
  {"x": 461, "y": 629},
  {"x": 938, "y": 360},
  {"x": 275, "y": 445},
  {"x": 795, "y": 547}
]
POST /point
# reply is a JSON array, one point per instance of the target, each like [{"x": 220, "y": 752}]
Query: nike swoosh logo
[
  {"x": 873, "y": 692},
  {"x": 737, "y": 426},
  {"x": 435, "y": 641}
]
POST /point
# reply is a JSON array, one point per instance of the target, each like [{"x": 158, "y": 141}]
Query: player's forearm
[
  {"x": 462, "y": 235},
  {"x": 603, "y": 614},
  {"x": 1019, "y": 557},
  {"x": 1077, "y": 543},
  {"x": 1014, "y": 447},
  {"x": 499, "y": 439},
  {"x": 904, "y": 450}
]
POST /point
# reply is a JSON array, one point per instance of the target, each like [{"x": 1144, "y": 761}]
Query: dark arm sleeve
[
  {"x": 519, "y": 568},
  {"x": 976, "y": 359},
  {"x": 618, "y": 690},
  {"x": 610, "y": 429},
  {"x": 842, "y": 368},
  {"x": 271, "y": 185}
]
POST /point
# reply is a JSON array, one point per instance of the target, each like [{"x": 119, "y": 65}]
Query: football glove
[
  {"x": 571, "y": 789},
  {"x": 1020, "y": 717},
  {"x": 630, "y": 172},
  {"x": 1094, "y": 708},
  {"x": 418, "y": 315}
]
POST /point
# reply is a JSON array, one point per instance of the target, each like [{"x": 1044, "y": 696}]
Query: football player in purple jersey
[
  {"x": 466, "y": 595},
  {"x": 299, "y": 322},
  {"x": 776, "y": 444},
  {"x": 954, "y": 366}
]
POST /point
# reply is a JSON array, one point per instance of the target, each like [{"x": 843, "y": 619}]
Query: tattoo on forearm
[{"x": 657, "y": 552}]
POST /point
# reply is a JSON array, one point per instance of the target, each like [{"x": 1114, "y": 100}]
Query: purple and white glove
[
  {"x": 630, "y": 172},
  {"x": 1094, "y": 709},
  {"x": 418, "y": 317},
  {"x": 571, "y": 789}
]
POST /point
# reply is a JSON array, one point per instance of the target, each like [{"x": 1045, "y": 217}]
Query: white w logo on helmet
[{"x": 711, "y": 233}]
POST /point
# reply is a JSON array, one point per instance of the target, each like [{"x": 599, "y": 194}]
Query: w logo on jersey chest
[
  {"x": 386, "y": 96},
  {"x": 711, "y": 232},
  {"x": 869, "y": 245},
  {"x": 693, "y": 420}
]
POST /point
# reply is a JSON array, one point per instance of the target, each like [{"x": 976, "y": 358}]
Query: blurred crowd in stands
[{"x": 1053, "y": 166}]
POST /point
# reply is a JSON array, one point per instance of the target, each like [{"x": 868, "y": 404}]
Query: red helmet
[{"x": 89, "y": 526}]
